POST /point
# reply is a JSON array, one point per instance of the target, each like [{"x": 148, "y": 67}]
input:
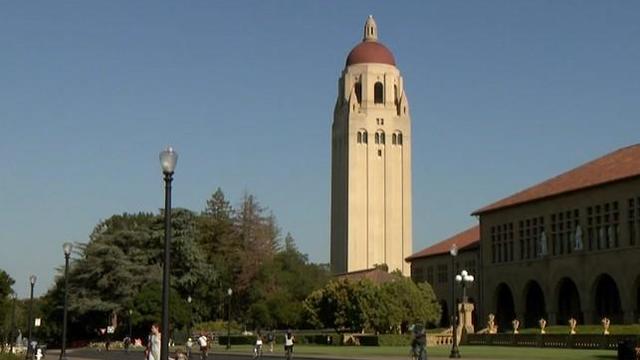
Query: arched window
[
  {"x": 382, "y": 138},
  {"x": 365, "y": 137},
  {"x": 393, "y": 139},
  {"x": 395, "y": 94},
  {"x": 359, "y": 91},
  {"x": 378, "y": 93},
  {"x": 377, "y": 138},
  {"x": 399, "y": 138},
  {"x": 359, "y": 137}
]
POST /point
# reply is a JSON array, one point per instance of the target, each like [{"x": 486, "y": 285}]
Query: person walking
[
  {"x": 204, "y": 346},
  {"x": 289, "y": 340},
  {"x": 153, "y": 345},
  {"x": 271, "y": 338}
]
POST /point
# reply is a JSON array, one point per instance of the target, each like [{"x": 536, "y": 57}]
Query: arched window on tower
[
  {"x": 359, "y": 137},
  {"x": 365, "y": 137},
  {"x": 395, "y": 94},
  {"x": 393, "y": 139},
  {"x": 378, "y": 93},
  {"x": 358, "y": 88},
  {"x": 377, "y": 138},
  {"x": 382, "y": 138},
  {"x": 399, "y": 138}
]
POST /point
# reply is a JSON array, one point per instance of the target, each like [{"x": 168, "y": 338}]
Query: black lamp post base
[{"x": 455, "y": 354}]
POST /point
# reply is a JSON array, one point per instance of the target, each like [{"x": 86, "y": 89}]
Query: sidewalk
[{"x": 92, "y": 354}]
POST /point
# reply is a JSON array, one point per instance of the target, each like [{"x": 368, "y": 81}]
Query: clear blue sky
[{"x": 503, "y": 94}]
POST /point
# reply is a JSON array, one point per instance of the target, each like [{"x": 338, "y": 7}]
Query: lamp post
[
  {"x": 32, "y": 281},
  {"x": 14, "y": 297},
  {"x": 67, "y": 248},
  {"x": 229, "y": 292},
  {"x": 168, "y": 160},
  {"x": 130, "y": 325},
  {"x": 189, "y": 300},
  {"x": 455, "y": 352},
  {"x": 463, "y": 279}
]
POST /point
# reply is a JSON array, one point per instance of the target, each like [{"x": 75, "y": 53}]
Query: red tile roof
[
  {"x": 621, "y": 164},
  {"x": 465, "y": 240}
]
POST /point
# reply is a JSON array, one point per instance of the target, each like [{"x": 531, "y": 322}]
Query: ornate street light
[
  {"x": 67, "y": 248},
  {"x": 168, "y": 160},
  {"x": 229, "y": 292},
  {"x": 14, "y": 297},
  {"x": 32, "y": 282},
  {"x": 463, "y": 279},
  {"x": 130, "y": 325},
  {"x": 189, "y": 300},
  {"x": 455, "y": 352}
]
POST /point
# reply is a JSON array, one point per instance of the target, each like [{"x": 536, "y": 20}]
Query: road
[{"x": 91, "y": 354}]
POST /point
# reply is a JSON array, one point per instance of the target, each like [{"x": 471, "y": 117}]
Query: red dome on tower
[{"x": 370, "y": 52}]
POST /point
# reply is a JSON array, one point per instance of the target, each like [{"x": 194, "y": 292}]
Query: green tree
[
  {"x": 123, "y": 256},
  {"x": 6, "y": 282},
  {"x": 361, "y": 305},
  {"x": 148, "y": 307},
  {"x": 409, "y": 303}
]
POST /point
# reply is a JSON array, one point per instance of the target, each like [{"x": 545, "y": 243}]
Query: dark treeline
[{"x": 242, "y": 248}]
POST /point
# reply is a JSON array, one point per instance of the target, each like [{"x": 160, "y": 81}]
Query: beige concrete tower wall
[
  {"x": 379, "y": 174},
  {"x": 339, "y": 197}
]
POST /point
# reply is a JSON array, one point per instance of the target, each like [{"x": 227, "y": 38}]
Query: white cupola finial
[{"x": 370, "y": 30}]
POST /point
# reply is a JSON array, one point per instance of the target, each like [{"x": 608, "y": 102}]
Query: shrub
[
  {"x": 238, "y": 339},
  {"x": 394, "y": 340}
]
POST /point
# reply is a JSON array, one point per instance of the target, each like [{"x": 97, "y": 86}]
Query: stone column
[
  {"x": 552, "y": 318},
  {"x": 465, "y": 323},
  {"x": 466, "y": 312}
]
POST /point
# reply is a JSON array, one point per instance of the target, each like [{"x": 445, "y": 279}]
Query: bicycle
[
  {"x": 418, "y": 353},
  {"x": 257, "y": 351},
  {"x": 288, "y": 353}
]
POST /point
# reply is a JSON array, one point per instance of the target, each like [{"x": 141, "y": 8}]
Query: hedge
[
  {"x": 316, "y": 339},
  {"x": 325, "y": 339},
  {"x": 7, "y": 356}
]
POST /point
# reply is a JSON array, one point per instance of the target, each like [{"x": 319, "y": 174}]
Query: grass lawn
[{"x": 473, "y": 352}]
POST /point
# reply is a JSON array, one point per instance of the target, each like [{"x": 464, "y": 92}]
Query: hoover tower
[{"x": 371, "y": 162}]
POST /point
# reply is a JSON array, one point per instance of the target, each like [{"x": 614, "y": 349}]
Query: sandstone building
[
  {"x": 566, "y": 247},
  {"x": 371, "y": 162}
]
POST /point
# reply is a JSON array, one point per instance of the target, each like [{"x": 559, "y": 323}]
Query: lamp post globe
[
  {"x": 453, "y": 250},
  {"x": 168, "y": 161},
  {"x": 67, "y": 248}
]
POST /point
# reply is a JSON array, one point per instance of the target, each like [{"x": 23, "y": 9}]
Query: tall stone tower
[{"x": 371, "y": 162}]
